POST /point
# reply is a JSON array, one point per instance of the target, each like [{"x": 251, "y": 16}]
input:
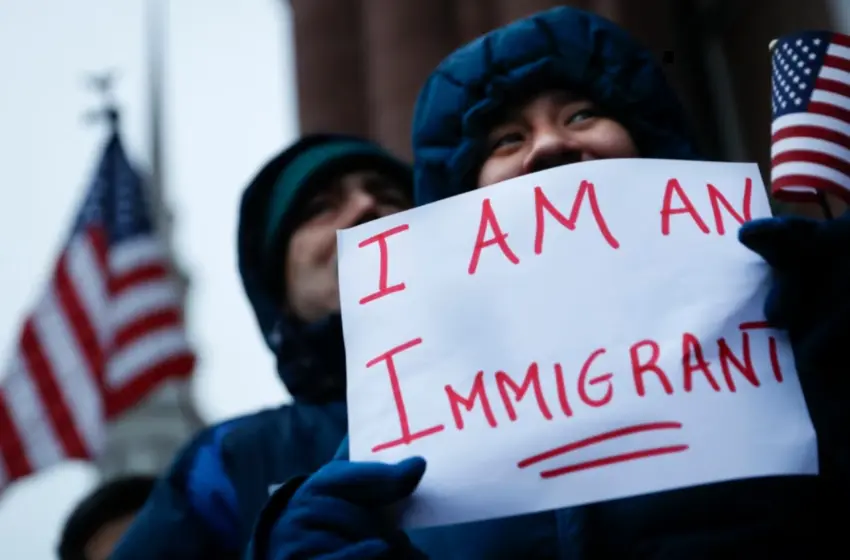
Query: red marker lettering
[
  {"x": 774, "y": 349},
  {"x": 542, "y": 203},
  {"x": 488, "y": 219},
  {"x": 532, "y": 379},
  {"x": 383, "y": 288},
  {"x": 691, "y": 347},
  {"x": 604, "y": 378},
  {"x": 406, "y": 436},
  {"x": 562, "y": 391},
  {"x": 477, "y": 393},
  {"x": 717, "y": 199},
  {"x": 746, "y": 367},
  {"x": 639, "y": 369},
  {"x": 688, "y": 207}
]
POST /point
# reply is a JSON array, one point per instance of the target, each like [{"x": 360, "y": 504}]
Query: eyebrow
[{"x": 515, "y": 108}]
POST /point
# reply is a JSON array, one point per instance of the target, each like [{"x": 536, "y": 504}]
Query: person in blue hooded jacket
[
  {"x": 205, "y": 506},
  {"x": 560, "y": 87}
]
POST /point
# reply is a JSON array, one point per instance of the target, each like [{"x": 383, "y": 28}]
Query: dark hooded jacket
[
  {"x": 205, "y": 506},
  {"x": 564, "y": 48},
  {"x": 569, "y": 49}
]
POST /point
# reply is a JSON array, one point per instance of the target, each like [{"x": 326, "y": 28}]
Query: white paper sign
[{"x": 581, "y": 334}]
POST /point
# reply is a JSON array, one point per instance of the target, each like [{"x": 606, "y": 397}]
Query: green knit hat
[{"x": 299, "y": 176}]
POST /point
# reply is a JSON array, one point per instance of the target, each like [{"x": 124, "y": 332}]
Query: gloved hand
[
  {"x": 810, "y": 299},
  {"x": 339, "y": 513},
  {"x": 810, "y": 295}
]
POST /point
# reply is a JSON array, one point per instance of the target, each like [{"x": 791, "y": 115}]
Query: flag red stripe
[
  {"x": 837, "y": 62},
  {"x": 833, "y": 86},
  {"x": 145, "y": 325},
  {"x": 811, "y": 131},
  {"x": 811, "y": 156},
  {"x": 77, "y": 317},
  {"x": 131, "y": 249},
  {"x": 97, "y": 238},
  {"x": 840, "y": 39},
  {"x": 129, "y": 394},
  {"x": 14, "y": 456},
  {"x": 41, "y": 373},
  {"x": 810, "y": 181},
  {"x": 829, "y": 110},
  {"x": 145, "y": 273}
]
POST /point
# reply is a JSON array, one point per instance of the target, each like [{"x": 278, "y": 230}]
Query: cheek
[
  {"x": 297, "y": 263},
  {"x": 499, "y": 169},
  {"x": 614, "y": 141},
  {"x": 312, "y": 246}
]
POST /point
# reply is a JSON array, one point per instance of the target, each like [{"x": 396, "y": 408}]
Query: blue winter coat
[
  {"x": 206, "y": 506},
  {"x": 566, "y": 48},
  {"x": 771, "y": 517}
]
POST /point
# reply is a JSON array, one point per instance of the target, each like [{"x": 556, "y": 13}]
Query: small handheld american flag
[
  {"x": 107, "y": 330},
  {"x": 810, "y": 134}
]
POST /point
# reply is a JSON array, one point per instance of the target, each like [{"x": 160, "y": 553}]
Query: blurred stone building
[{"x": 361, "y": 63}]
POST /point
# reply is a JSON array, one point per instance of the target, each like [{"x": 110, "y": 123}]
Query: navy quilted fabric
[{"x": 560, "y": 48}]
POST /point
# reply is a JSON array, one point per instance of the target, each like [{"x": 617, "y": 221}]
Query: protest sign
[{"x": 581, "y": 334}]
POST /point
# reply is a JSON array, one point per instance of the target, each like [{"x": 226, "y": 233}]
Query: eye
[
  {"x": 317, "y": 206},
  {"x": 505, "y": 139},
  {"x": 581, "y": 115},
  {"x": 388, "y": 192}
]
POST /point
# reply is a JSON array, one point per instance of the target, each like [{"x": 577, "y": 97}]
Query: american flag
[
  {"x": 810, "y": 135},
  {"x": 107, "y": 330}
]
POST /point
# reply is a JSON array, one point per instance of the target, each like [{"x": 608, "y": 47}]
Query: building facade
[{"x": 361, "y": 63}]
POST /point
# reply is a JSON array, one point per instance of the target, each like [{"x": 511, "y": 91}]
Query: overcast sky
[{"x": 231, "y": 104}]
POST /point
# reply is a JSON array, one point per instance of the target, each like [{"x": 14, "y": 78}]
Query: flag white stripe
[
  {"x": 40, "y": 442},
  {"x": 809, "y": 119},
  {"x": 811, "y": 144},
  {"x": 71, "y": 372},
  {"x": 838, "y": 50},
  {"x": 143, "y": 299},
  {"x": 90, "y": 285},
  {"x": 832, "y": 99},
  {"x": 810, "y": 169},
  {"x": 136, "y": 252},
  {"x": 832, "y": 73},
  {"x": 799, "y": 190},
  {"x": 147, "y": 350}
]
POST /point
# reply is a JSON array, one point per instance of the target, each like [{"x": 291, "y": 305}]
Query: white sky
[{"x": 230, "y": 105}]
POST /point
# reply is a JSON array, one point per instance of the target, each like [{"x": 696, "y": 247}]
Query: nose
[
  {"x": 360, "y": 207},
  {"x": 551, "y": 147}
]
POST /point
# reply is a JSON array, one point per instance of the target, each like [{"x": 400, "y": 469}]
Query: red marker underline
[
  {"x": 621, "y": 432},
  {"x": 614, "y": 459},
  {"x": 751, "y": 325}
]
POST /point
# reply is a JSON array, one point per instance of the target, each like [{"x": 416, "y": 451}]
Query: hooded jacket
[
  {"x": 206, "y": 505},
  {"x": 566, "y": 48}
]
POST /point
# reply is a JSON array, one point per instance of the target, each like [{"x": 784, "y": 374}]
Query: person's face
[
  {"x": 101, "y": 545},
  {"x": 553, "y": 129},
  {"x": 310, "y": 266}
]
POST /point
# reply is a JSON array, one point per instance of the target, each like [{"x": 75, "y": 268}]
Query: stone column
[
  {"x": 329, "y": 66},
  {"x": 474, "y": 18},
  {"x": 512, "y": 10},
  {"x": 673, "y": 33},
  {"x": 404, "y": 42}
]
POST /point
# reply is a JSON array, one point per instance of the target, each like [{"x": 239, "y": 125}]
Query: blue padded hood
[{"x": 559, "y": 48}]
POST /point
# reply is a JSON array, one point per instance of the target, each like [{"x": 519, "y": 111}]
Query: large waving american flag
[
  {"x": 107, "y": 330},
  {"x": 810, "y": 151}
]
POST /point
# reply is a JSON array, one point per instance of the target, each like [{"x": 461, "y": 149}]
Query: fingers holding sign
[{"x": 338, "y": 512}]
